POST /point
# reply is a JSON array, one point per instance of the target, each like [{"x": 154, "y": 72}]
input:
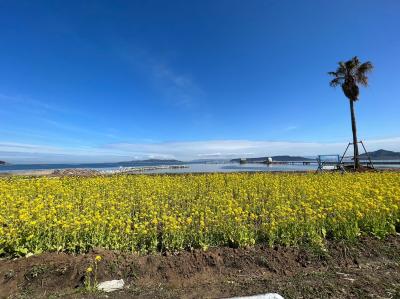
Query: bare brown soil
[
  {"x": 369, "y": 268},
  {"x": 350, "y": 168}
]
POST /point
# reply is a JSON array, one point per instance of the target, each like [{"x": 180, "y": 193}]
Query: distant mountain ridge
[
  {"x": 209, "y": 161},
  {"x": 382, "y": 155},
  {"x": 376, "y": 155},
  {"x": 283, "y": 158},
  {"x": 155, "y": 161}
]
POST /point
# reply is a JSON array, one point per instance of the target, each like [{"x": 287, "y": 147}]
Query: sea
[{"x": 191, "y": 167}]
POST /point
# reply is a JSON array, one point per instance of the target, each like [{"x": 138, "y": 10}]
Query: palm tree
[{"x": 349, "y": 75}]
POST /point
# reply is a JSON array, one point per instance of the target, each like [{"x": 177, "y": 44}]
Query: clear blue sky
[{"x": 112, "y": 80}]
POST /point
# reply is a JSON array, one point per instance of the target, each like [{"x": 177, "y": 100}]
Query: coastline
[
  {"x": 88, "y": 171},
  {"x": 84, "y": 172}
]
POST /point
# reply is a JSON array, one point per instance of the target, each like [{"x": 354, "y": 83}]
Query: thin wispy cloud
[
  {"x": 33, "y": 105},
  {"x": 32, "y": 153},
  {"x": 78, "y": 129},
  {"x": 49, "y": 120},
  {"x": 177, "y": 88}
]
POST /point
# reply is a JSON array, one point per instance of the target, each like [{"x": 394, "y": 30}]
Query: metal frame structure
[
  {"x": 369, "y": 164},
  {"x": 338, "y": 165}
]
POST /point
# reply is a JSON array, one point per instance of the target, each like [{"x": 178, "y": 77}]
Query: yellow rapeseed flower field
[{"x": 169, "y": 212}]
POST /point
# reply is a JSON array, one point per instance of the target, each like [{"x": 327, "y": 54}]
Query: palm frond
[
  {"x": 336, "y": 82},
  {"x": 341, "y": 69},
  {"x": 351, "y": 71},
  {"x": 356, "y": 61},
  {"x": 366, "y": 67},
  {"x": 361, "y": 75},
  {"x": 352, "y": 66},
  {"x": 362, "y": 79},
  {"x": 349, "y": 65}
]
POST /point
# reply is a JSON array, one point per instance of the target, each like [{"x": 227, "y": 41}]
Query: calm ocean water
[
  {"x": 98, "y": 166},
  {"x": 192, "y": 167}
]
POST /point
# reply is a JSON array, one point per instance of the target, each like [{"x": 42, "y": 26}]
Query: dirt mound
[
  {"x": 75, "y": 172},
  {"x": 362, "y": 168},
  {"x": 369, "y": 268}
]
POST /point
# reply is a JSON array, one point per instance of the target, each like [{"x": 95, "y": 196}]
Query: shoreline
[{"x": 88, "y": 171}]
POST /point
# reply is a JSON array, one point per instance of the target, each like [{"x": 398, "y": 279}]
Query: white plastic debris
[
  {"x": 111, "y": 285},
  {"x": 261, "y": 296}
]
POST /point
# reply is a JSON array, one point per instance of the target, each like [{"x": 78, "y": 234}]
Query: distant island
[
  {"x": 376, "y": 155},
  {"x": 2, "y": 163},
  {"x": 284, "y": 158},
  {"x": 155, "y": 161},
  {"x": 382, "y": 155},
  {"x": 210, "y": 161}
]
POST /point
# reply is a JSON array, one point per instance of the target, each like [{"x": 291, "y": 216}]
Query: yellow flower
[
  {"x": 129, "y": 213},
  {"x": 89, "y": 269}
]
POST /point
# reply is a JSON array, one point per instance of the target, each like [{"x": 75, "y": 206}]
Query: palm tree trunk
[{"x": 355, "y": 141}]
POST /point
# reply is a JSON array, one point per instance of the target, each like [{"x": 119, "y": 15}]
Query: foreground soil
[{"x": 369, "y": 268}]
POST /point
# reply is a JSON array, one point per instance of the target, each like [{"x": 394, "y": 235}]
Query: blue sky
[{"x": 116, "y": 80}]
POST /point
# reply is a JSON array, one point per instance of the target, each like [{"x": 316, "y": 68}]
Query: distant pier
[{"x": 312, "y": 162}]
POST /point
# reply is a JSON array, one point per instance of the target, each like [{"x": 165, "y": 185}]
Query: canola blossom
[{"x": 147, "y": 213}]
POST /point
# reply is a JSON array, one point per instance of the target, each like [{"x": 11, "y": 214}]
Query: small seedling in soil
[
  {"x": 35, "y": 272},
  {"x": 91, "y": 282},
  {"x": 132, "y": 272},
  {"x": 113, "y": 267},
  {"x": 10, "y": 274},
  {"x": 61, "y": 270}
]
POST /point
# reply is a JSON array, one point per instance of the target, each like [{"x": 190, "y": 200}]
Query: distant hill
[
  {"x": 284, "y": 158},
  {"x": 211, "y": 161},
  {"x": 156, "y": 161},
  {"x": 290, "y": 158},
  {"x": 2, "y": 163},
  {"x": 382, "y": 155}
]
